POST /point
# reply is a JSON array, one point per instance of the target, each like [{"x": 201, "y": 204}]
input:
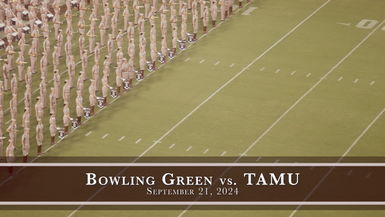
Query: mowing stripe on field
[{"x": 340, "y": 159}]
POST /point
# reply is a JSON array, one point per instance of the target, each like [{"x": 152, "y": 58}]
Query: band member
[
  {"x": 184, "y": 22},
  {"x": 105, "y": 89},
  {"x": 142, "y": 55},
  {"x": 195, "y": 19},
  {"x": 126, "y": 15},
  {"x": 174, "y": 28},
  {"x": 205, "y": 18},
  {"x": 52, "y": 101},
  {"x": 79, "y": 107},
  {"x": 66, "y": 118},
  {"x": 222, "y": 3},
  {"x": 214, "y": 11},
  {"x": 153, "y": 41},
  {"x": 20, "y": 66},
  {"x": 56, "y": 83},
  {"x": 66, "y": 92},
  {"x": 39, "y": 136},
  {"x": 25, "y": 143},
  {"x": 52, "y": 128},
  {"x": 92, "y": 96}
]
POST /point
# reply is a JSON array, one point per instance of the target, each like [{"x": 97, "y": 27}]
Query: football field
[{"x": 280, "y": 78}]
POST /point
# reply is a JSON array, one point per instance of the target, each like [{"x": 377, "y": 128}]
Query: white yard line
[
  {"x": 89, "y": 133},
  {"x": 105, "y": 136},
  {"x": 171, "y": 146},
  {"x": 139, "y": 140},
  {"x": 340, "y": 159},
  {"x": 248, "y": 11},
  {"x": 121, "y": 138}
]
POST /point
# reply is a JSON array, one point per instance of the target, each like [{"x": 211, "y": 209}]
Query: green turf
[{"x": 325, "y": 122}]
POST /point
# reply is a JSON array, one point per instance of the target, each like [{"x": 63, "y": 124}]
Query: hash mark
[
  {"x": 171, "y": 146},
  {"x": 105, "y": 135},
  {"x": 207, "y": 150},
  {"x": 121, "y": 138},
  {"x": 355, "y": 81},
  {"x": 223, "y": 153},
  {"x": 202, "y": 61},
  {"x": 217, "y": 63},
  {"x": 308, "y": 75},
  {"x": 371, "y": 83},
  {"x": 89, "y": 133},
  {"x": 188, "y": 58},
  {"x": 232, "y": 64},
  {"x": 137, "y": 141},
  {"x": 340, "y": 79},
  {"x": 189, "y": 148}
]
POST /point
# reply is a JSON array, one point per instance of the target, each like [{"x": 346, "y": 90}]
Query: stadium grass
[{"x": 324, "y": 123}]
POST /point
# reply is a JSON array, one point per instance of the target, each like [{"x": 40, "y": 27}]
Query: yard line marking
[
  {"x": 277, "y": 71},
  {"x": 202, "y": 61},
  {"x": 355, "y": 81},
  {"x": 223, "y": 153},
  {"x": 105, "y": 135},
  {"x": 121, "y": 138},
  {"x": 232, "y": 65},
  {"x": 308, "y": 75},
  {"x": 205, "y": 152},
  {"x": 187, "y": 59},
  {"x": 156, "y": 141},
  {"x": 341, "y": 158},
  {"x": 371, "y": 83},
  {"x": 140, "y": 139},
  {"x": 293, "y": 73},
  {"x": 171, "y": 146},
  {"x": 217, "y": 63},
  {"x": 89, "y": 133},
  {"x": 340, "y": 78},
  {"x": 248, "y": 11},
  {"x": 9, "y": 121},
  {"x": 259, "y": 158},
  {"x": 239, "y": 73},
  {"x": 189, "y": 148},
  {"x": 262, "y": 69}
]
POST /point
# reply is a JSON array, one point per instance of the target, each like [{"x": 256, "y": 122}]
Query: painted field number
[{"x": 368, "y": 24}]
